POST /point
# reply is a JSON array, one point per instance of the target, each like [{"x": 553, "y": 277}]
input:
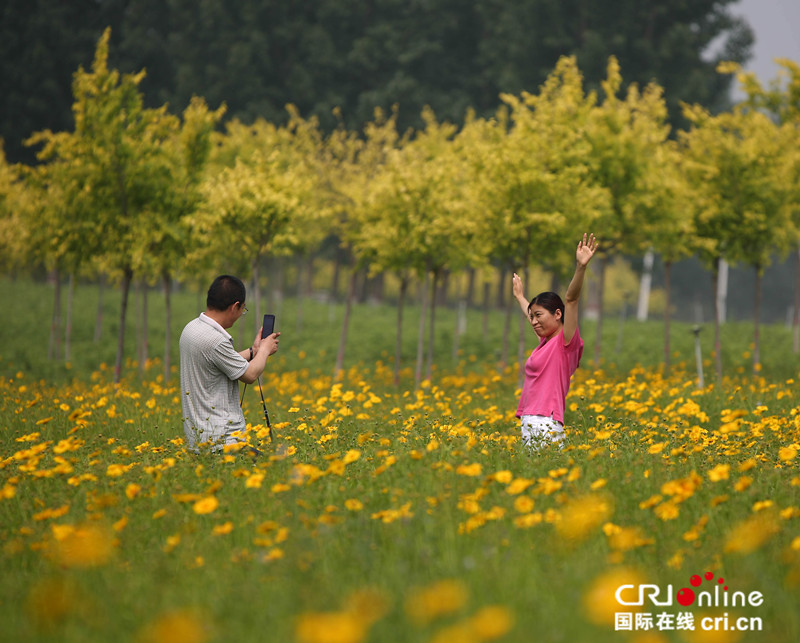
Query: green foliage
[{"x": 257, "y": 56}]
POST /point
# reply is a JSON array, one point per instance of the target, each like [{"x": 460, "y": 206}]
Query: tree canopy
[{"x": 257, "y": 56}]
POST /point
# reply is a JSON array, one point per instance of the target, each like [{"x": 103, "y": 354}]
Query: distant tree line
[{"x": 257, "y": 56}]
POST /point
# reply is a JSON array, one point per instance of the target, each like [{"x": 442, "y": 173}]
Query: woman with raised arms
[{"x": 551, "y": 364}]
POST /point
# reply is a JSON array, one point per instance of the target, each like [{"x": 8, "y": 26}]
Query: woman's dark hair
[
  {"x": 224, "y": 291},
  {"x": 550, "y": 301}
]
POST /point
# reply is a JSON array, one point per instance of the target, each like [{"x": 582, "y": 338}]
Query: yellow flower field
[{"x": 385, "y": 514}]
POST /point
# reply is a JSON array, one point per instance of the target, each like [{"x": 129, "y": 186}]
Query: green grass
[{"x": 313, "y": 328}]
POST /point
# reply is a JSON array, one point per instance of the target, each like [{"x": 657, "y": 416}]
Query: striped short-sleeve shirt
[{"x": 210, "y": 372}]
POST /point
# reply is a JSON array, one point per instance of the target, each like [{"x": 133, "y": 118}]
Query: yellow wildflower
[
  {"x": 751, "y": 534},
  {"x": 472, "y": 470},
  {"x": 179, "y": 626},
  {"x": 206, "y": 505},
  {"x": 720, "y": 472},
  {"x": 438, "y": 599}
]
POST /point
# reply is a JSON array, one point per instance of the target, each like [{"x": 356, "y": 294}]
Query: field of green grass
[{"x": 389, "y": 513}]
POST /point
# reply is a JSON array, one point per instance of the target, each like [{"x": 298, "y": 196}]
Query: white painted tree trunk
[
  {"x": 645, "y": 285},
  {"x": 722, "y": 291}
]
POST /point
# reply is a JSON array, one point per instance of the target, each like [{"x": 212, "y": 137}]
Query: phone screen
[{"x": 268, "y": 327}]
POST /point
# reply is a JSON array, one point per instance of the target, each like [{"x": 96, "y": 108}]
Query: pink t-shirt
[{"x": 547, "y": 375}]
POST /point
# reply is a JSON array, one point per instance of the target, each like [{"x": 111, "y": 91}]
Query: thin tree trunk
[
  {"x": 487, "y": 288},
  {"x": 68, "y": 322},
  {"x": 796, "y": 312},
  {"x": 276, "y": 279},
  {"x": 138, "y": 296},
  {"x": 601, "y": 280},
  {"x": 667, "y": 296},
  {"x": 126, "y": 287},
  {"x": 301, "y": 294},
  {"x": 722, "y": 290},
  {"x": 54, "y": 345},
  {"x": 351, "y": 293},
  {"x": 335, "y": 278},
  {"x": 501, "y": 288},
  {"x": 421, "y": 334},
  {"x": 470, "y": 296},
  {"x": 645, "y": 284},
  {"x": 98, "y": 322},
  {"x": 143, "y": 351},
  {"x": 506, "y": 336},
  {"x": 461, "y": 320},
  {"x": 460, "y": 329},
  {"x": 398, "y": 349},
  {"x": 167, "y": 281},
  {"x": 443, "y": 287},
  {"x": 623, "y": 316},
  {"x": 717, "y": 324},
  {"x": 431, "y": 330},
  {"x": 309, "y": 283},
  {"x": 757, "y": 322},
  {"x": 257, "y": 314}
]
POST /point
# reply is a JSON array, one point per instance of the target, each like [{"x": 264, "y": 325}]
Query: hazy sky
[{"x": 776, "y": 24}]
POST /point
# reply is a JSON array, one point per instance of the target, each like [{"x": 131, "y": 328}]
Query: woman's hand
[
  {"x": 516, "y": 286},
  {"x": 586, "y": 250}
]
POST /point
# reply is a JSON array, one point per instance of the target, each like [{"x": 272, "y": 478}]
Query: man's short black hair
[{"x": 224, "y": 291}]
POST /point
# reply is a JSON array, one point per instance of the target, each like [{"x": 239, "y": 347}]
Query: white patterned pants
[{"x": 540, "y": 430}]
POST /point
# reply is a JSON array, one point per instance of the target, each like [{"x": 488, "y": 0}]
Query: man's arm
[{"x": 267, "y": 346}]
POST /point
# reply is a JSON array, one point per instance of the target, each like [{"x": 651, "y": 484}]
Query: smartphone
[{"x": 268, "y": 327}]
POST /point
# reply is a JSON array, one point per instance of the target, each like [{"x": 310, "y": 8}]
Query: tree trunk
[
  {"x": 68, "y": 321},
  {"x": 431, "y": 329},
  {"x": 623, "y": 315},
  {"x": 143, "y": 339},
  {"x": 421, "y": 334},
  {"x": 460, "y": 329},
  {"x": 757, "y": 322},
  {"x": 717, "y": 323},
  {"x": 255, "y": 304},
  {"x": 335, "y": 278},
  {"x": 501, "y": 288},
  {"x": 487, "y": 288},
  {"x": 667, "y": 295},
  {"x": 601, "y": 281},
  {"x": 54, "y": 345},
  {"x": 398, "y": 349},
  {"x": 645, "y": 286},
  {"x": 351, "y": 293},
  {"x": 470, "y": 296},
  {"x": 98, "y": 322},
  {"x": 309, "y": 282},
  {"x": 301, "y": 294},
  {"x": 377, "y": 288},
  {"x": 276, "y": 281},
  {"x": 167, "y": 281},
  {"x": 506, "y": 336},
  {"x": 443, "y": 288},
  {"x": 796, "y": 312},
  {"x": 126, "y": 287},
  {"x": 721, "y": 292}
]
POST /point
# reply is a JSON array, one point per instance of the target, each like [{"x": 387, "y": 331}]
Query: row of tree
[{"x": 135, "y": 191}]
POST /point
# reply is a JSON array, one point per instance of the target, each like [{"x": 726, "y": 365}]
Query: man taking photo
[{"x": 211, "y": 368}]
